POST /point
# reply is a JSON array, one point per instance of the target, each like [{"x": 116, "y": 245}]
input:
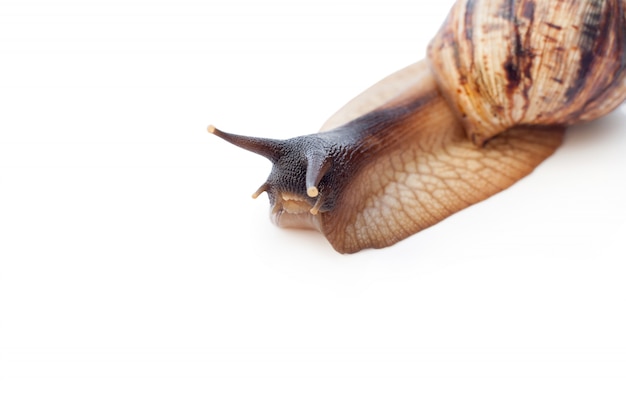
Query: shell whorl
[
  {"x": 502, "y": 63},
  {"x": 508, "y": 74}
]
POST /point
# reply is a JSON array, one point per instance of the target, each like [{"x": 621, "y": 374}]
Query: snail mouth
[{"x": 293, "y": 211}]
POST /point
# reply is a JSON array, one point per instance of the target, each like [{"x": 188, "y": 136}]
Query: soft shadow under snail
[{"x": 501, "y": 81}]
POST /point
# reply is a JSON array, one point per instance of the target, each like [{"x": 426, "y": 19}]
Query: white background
[{"x": 137, "y": 277}]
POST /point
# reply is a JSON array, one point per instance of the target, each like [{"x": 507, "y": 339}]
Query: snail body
[{"x": 501, "y": 81}]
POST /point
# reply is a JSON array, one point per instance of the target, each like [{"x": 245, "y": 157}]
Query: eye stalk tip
[
  {"x": 268, "y": 148},
  {"x": 312, "y": 191}
]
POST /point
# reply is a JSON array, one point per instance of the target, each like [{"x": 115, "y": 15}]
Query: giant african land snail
[{"x": 491, "y": 101}]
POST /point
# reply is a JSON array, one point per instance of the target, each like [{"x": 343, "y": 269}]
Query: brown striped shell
[
  {"x": 508, "y": 74},
  {"x": 504, "y": 63}
]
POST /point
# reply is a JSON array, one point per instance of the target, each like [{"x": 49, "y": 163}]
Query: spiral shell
[
  {"x": 508, "y": 74},
  {"x": 503, "y": 63}
]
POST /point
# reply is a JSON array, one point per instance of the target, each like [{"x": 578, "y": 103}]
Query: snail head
[{"x": 299, "y": 185}]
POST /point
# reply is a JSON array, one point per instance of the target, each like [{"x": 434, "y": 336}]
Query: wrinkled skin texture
[{"x": 491, "y": 101}]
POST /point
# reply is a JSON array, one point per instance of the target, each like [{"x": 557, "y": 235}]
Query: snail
[{"x": 501, "y": 81}]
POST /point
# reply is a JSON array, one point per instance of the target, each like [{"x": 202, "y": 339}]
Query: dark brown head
[{"x": 299, "y": 185}]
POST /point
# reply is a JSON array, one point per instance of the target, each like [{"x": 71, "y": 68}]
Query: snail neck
[{"x": 420, "y": 114}]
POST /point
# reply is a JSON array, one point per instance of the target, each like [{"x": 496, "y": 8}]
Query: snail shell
[
  {"x": 509, "y": 63},
  {"x": 491, "y": 101}
]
